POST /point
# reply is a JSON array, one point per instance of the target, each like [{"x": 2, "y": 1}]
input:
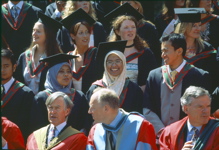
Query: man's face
[
  {"x": 97, "y": 110},
  {"x": 7, "y": 70},
  {"x": 57, "y": 111},
  {"x": 169, "y": 55},
  {"x": 199, "y": 110}
]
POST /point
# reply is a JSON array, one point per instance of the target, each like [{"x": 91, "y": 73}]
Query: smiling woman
[
  {"x": 199, "y": 52},
  {"x": 30, "y": 71},
  {"x": 114, "y": 77},
  {"x": 59, "y": 78}
]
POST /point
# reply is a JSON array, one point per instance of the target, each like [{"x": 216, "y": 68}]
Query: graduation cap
[
  {"x": 77, "y": 16},
  {"x": 58, "y": 58},
  {"x": 51, "y": 23},
  {"x": 189, "y": 14},
  {"x": 125, "y": 9},
  {"x": 105, "y": 47}
]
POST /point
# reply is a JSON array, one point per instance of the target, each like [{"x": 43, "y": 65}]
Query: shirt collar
[
  {"x": 179, "y": 68},
  {"x": 117, "y": 119},
  {"x": 58, "y": 127},
  {"x": 190, "y": 126},
  {"x": 8, "y": 84},
  {"x": 20, "y": 4}
]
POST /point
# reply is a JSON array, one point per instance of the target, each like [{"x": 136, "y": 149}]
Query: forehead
[
  {"x": 38, "y": 25},
  {"x": 65, "y": 67},
  {"x": 166, "y": 45},
  {"x": 58, "y": 101},
  {"x": 5, "y": 60},
  {"x": 127, "y": 22},
  {"x": 113, "y": 56},
  {"x": 205, "y": 99}
]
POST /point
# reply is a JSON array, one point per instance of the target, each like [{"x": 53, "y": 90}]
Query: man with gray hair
[
  {"x": 196, "y": 131},
  {"x": 116, "y": 129},
  {"x": 57, "y": 135}
]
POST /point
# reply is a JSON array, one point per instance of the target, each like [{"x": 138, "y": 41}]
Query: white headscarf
[{"x": 112, "y": 82}]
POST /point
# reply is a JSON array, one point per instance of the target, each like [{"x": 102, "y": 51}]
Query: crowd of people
[{"x": 101, "y": 75}]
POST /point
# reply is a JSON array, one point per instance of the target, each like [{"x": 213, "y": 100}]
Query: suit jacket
[
  {"x": 173, "y": 136},
  {"x": 68, "y": 138},
  {"x": 152, "y": 99}
]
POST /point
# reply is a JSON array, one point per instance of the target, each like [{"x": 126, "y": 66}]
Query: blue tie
[{"x": 15, "y": 12}]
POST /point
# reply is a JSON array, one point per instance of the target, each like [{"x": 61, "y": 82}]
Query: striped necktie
[
  {"x": 15, "y": 12},
  {"x": 195, "y": 135},
  {"x": 52, "y": 134},
  {"x": 173, "y": 74},
  {"x": 2, "y": 91}
]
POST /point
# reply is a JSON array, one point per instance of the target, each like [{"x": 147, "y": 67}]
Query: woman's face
[
  {"x": 179, "y": 3},
  {"x": 85, "y": 5},
  {"x": 82, "y": 37},
  {"x": 64, "y": 76},
  {"x": 114, "y": 65},
  {"x": 205, "y": 4},
  {"x": 195, "y": 31},
  {"x": 38, "y": 34},
  {"x": 127, "y": 30}
]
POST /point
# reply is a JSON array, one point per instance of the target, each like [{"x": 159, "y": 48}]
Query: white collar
[
  {"x": 20, "y": 4},
  {"x": 179, "y": 68},
  {"x": 191, "y": 126},
  {"x": 59, "y": 127},
  {"x": 8, "y": 84}
]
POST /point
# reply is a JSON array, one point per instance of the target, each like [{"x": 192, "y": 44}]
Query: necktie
[
  {"x": 110, "y": 140},
  {"x": 15, "y": 12},
  {"x": 2, "y": 91},
  {"x": 52, "y": 135},
  {"x": 173, "y": 75},
  {"x": 195, "y": 135}
]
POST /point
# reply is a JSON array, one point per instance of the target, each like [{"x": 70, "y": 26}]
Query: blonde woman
[{"x": 199, "y": 53}]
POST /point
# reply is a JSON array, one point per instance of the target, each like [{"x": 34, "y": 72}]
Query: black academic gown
[
  {"x": 39, "y": 114},
  {"x": 161, "y": 24},
  {"x": 91, "y": 73},
  {"x": 146, "y": 63},
  {"x": 19, "y": 38},
  {"x": 149, "y": 33},
  {"x": 152, "y": 98},
  {"x": 214, "y": 32},
  {"x": 209, "y": 64},
  {"x": 18, "y": 108},
  {"x": 215, "y": 100},
  {"x": 131, "y": 98},
  {"x": 20, "y": 70},
  {"x": 65, "y": 42}
]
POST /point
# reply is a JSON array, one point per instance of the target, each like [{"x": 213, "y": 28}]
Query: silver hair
[
  {"x": 107, "y": 96},
  {"x": 67, "y": 101},
  {"x": 191, "y": 93}
]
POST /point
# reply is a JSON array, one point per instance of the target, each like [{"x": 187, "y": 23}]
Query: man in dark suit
[
  {"x": 16, "y": 97},
  {"x": 197, "y": 130},
  {"x": 166, "y": 84},
  {"x": 18, "y": 19}
]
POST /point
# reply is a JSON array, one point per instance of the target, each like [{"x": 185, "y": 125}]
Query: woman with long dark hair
[{"x": 30, "y": 71}]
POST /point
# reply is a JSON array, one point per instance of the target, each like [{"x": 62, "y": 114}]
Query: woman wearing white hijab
[{"x": 114, "y": 77}]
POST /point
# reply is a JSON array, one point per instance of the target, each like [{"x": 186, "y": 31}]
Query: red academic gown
[
  {"x": 169, "y": 138},
  {"x": 77, "y": 141},
  {"x": 12, "y": 134}
]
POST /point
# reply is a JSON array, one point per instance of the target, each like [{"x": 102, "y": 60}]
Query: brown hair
[
  {"x": 75, "y": 27},
  {"x": 52, "y": 46},
  {"x": 116, "y": 25}
]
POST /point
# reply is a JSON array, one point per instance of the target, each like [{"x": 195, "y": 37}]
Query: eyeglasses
[{"x": 117, "y": 62}]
